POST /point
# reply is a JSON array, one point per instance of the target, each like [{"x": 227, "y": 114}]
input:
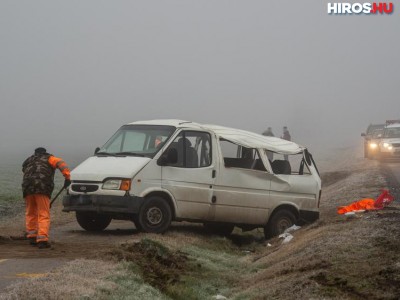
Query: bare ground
[{"x": 337, "y": 257}]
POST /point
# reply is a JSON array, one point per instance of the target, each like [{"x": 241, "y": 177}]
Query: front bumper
[{"x": 102, "y": 203}]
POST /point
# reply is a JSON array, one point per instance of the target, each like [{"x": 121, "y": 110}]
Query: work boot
[
  {"x": 32, "y": 241},
  {"x": 44, "y": 245}
]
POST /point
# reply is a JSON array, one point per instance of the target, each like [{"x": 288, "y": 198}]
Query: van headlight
[
  {"x": 373, "y": 145},
  {"x": 117, "y": 184},
  {"x": 387, "y": 146}
]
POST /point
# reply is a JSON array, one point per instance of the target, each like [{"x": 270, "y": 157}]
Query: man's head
[
  {"x": 40, "y": 150},
  {"x": 158, "y": 141},
  {"x": 269, "y": 129},
  {"x": 284, "y": 127}
]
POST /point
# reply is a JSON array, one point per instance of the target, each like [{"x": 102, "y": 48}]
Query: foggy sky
[{"x": 72, "y": 72}]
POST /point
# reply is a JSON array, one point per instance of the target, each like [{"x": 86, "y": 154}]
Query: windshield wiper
[
  {"x": 129, "y": 153},
  {"x": 106, "y": 154}
]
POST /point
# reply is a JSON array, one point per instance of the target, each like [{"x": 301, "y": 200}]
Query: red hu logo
[{"x": 358, "y": 8}]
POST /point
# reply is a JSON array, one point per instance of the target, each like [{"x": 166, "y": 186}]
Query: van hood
[{"x": 97, "y": 168}]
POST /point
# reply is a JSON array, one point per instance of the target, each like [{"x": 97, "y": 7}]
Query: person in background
[
  {"x": 268, "y": 132},
  {"x": 37, "y": 186},
  {"x": 286, "y": 136}
]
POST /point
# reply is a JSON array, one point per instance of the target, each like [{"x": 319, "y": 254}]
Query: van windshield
[{"x": 137, "y": 140}]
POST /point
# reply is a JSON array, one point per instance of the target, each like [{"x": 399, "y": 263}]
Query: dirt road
[
  {"x": 394, "y": 168},
  {"x": 19, "y": 261}
]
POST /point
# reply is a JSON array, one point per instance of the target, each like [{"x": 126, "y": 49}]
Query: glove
[{"x": 67, "y": 183}]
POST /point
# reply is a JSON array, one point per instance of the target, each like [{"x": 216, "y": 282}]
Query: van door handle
[
  {"x": 214, "y": 173},
  {"x": 214, "y": 199}
]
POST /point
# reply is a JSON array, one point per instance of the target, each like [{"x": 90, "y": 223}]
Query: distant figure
[
  {"x": 268, "y": 132},
  {"x": 37, "y": 186},
  {"x": 286, "y": 136}
]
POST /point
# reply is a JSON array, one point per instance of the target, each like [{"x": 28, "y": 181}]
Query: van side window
[
  {"x": 236, "y": 156},
  {"x": 194, "y": 149},
  {"x": 294, "y": 164}
]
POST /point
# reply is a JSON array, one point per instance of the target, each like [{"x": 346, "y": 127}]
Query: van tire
[
  {"x": 155, "y": 215},
  {"x": 91, "y": 221},
  {"x": 219, "y": 228},
  {"x": 135, "y": 220},
  {"x": 279, "y": 222}
]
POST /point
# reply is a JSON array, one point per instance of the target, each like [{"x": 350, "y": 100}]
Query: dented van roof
[{"x": 241, "y": 137}]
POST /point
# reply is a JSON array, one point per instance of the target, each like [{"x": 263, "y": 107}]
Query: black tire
[
  {"x": 155, "y": 215},
  {"x": 135, "y": 220},
  {"x": 219, "y": 228},
  {"x": 280, "y": 220},
  {"x": 92, "y": 221}
]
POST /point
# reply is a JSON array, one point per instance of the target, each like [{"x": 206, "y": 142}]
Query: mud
[
  {"x": 159, "y": 266},
  {"x": 69, "y": 242}
]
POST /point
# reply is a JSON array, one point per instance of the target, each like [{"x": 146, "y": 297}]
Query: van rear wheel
[
  {"x": 92, "y": 221},
  {"x": 279, "y": 222},
  {"x": 155, "y": 215}
]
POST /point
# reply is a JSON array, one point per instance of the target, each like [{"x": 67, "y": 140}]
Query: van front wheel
[
  {"x": 279, "y": 222},
  {"x": 92, "y": 221},
  {"x": 155, "y": 215}
]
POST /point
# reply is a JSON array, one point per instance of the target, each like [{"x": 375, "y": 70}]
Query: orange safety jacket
[
  {"x": 58, "y": 163},
  {"x": 368, "y": 204}
]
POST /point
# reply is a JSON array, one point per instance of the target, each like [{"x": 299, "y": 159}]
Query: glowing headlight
[
  {"x": 386, "y": 145},
  {"x": 373, "y": 145},
  {"x": 117, "y": 184}
]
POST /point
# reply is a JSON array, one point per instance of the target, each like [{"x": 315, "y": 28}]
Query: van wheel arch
[
  {"x": 166, "y": 197},
  {"x": 155, "y": 214},
  {"x": 286, "y": 214}
]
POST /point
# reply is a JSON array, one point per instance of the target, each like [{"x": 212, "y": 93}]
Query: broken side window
[
  {"x": 236, "y": 156},
  {"x": 293, "y": 164}
]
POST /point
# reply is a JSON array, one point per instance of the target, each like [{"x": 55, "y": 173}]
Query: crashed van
[{"x": 156, "y": 172}]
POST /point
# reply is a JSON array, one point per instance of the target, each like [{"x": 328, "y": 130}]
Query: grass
[{"x": 190, "y": 273}]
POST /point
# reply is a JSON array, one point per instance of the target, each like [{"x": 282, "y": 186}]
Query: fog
[{"x": 72, "y": 72}]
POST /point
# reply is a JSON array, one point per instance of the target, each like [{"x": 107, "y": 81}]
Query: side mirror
[
  {"x": 169, "y": 157},
  {"x": 96, "y": 150},
  {"x": 363, "y": 134}
]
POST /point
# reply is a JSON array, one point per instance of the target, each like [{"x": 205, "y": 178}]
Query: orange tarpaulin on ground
[{"x": 367, "y": 204}]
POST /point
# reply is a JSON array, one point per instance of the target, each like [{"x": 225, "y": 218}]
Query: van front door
[
  {"x": 190, "y": 180},
  {"x": 242, "y": 190}
]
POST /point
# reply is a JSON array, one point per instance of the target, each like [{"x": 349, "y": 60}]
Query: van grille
[{"x": 84, "y": 188}]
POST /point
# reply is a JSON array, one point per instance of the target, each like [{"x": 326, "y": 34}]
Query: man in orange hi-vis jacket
[{"x": 37, "y": 186}]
